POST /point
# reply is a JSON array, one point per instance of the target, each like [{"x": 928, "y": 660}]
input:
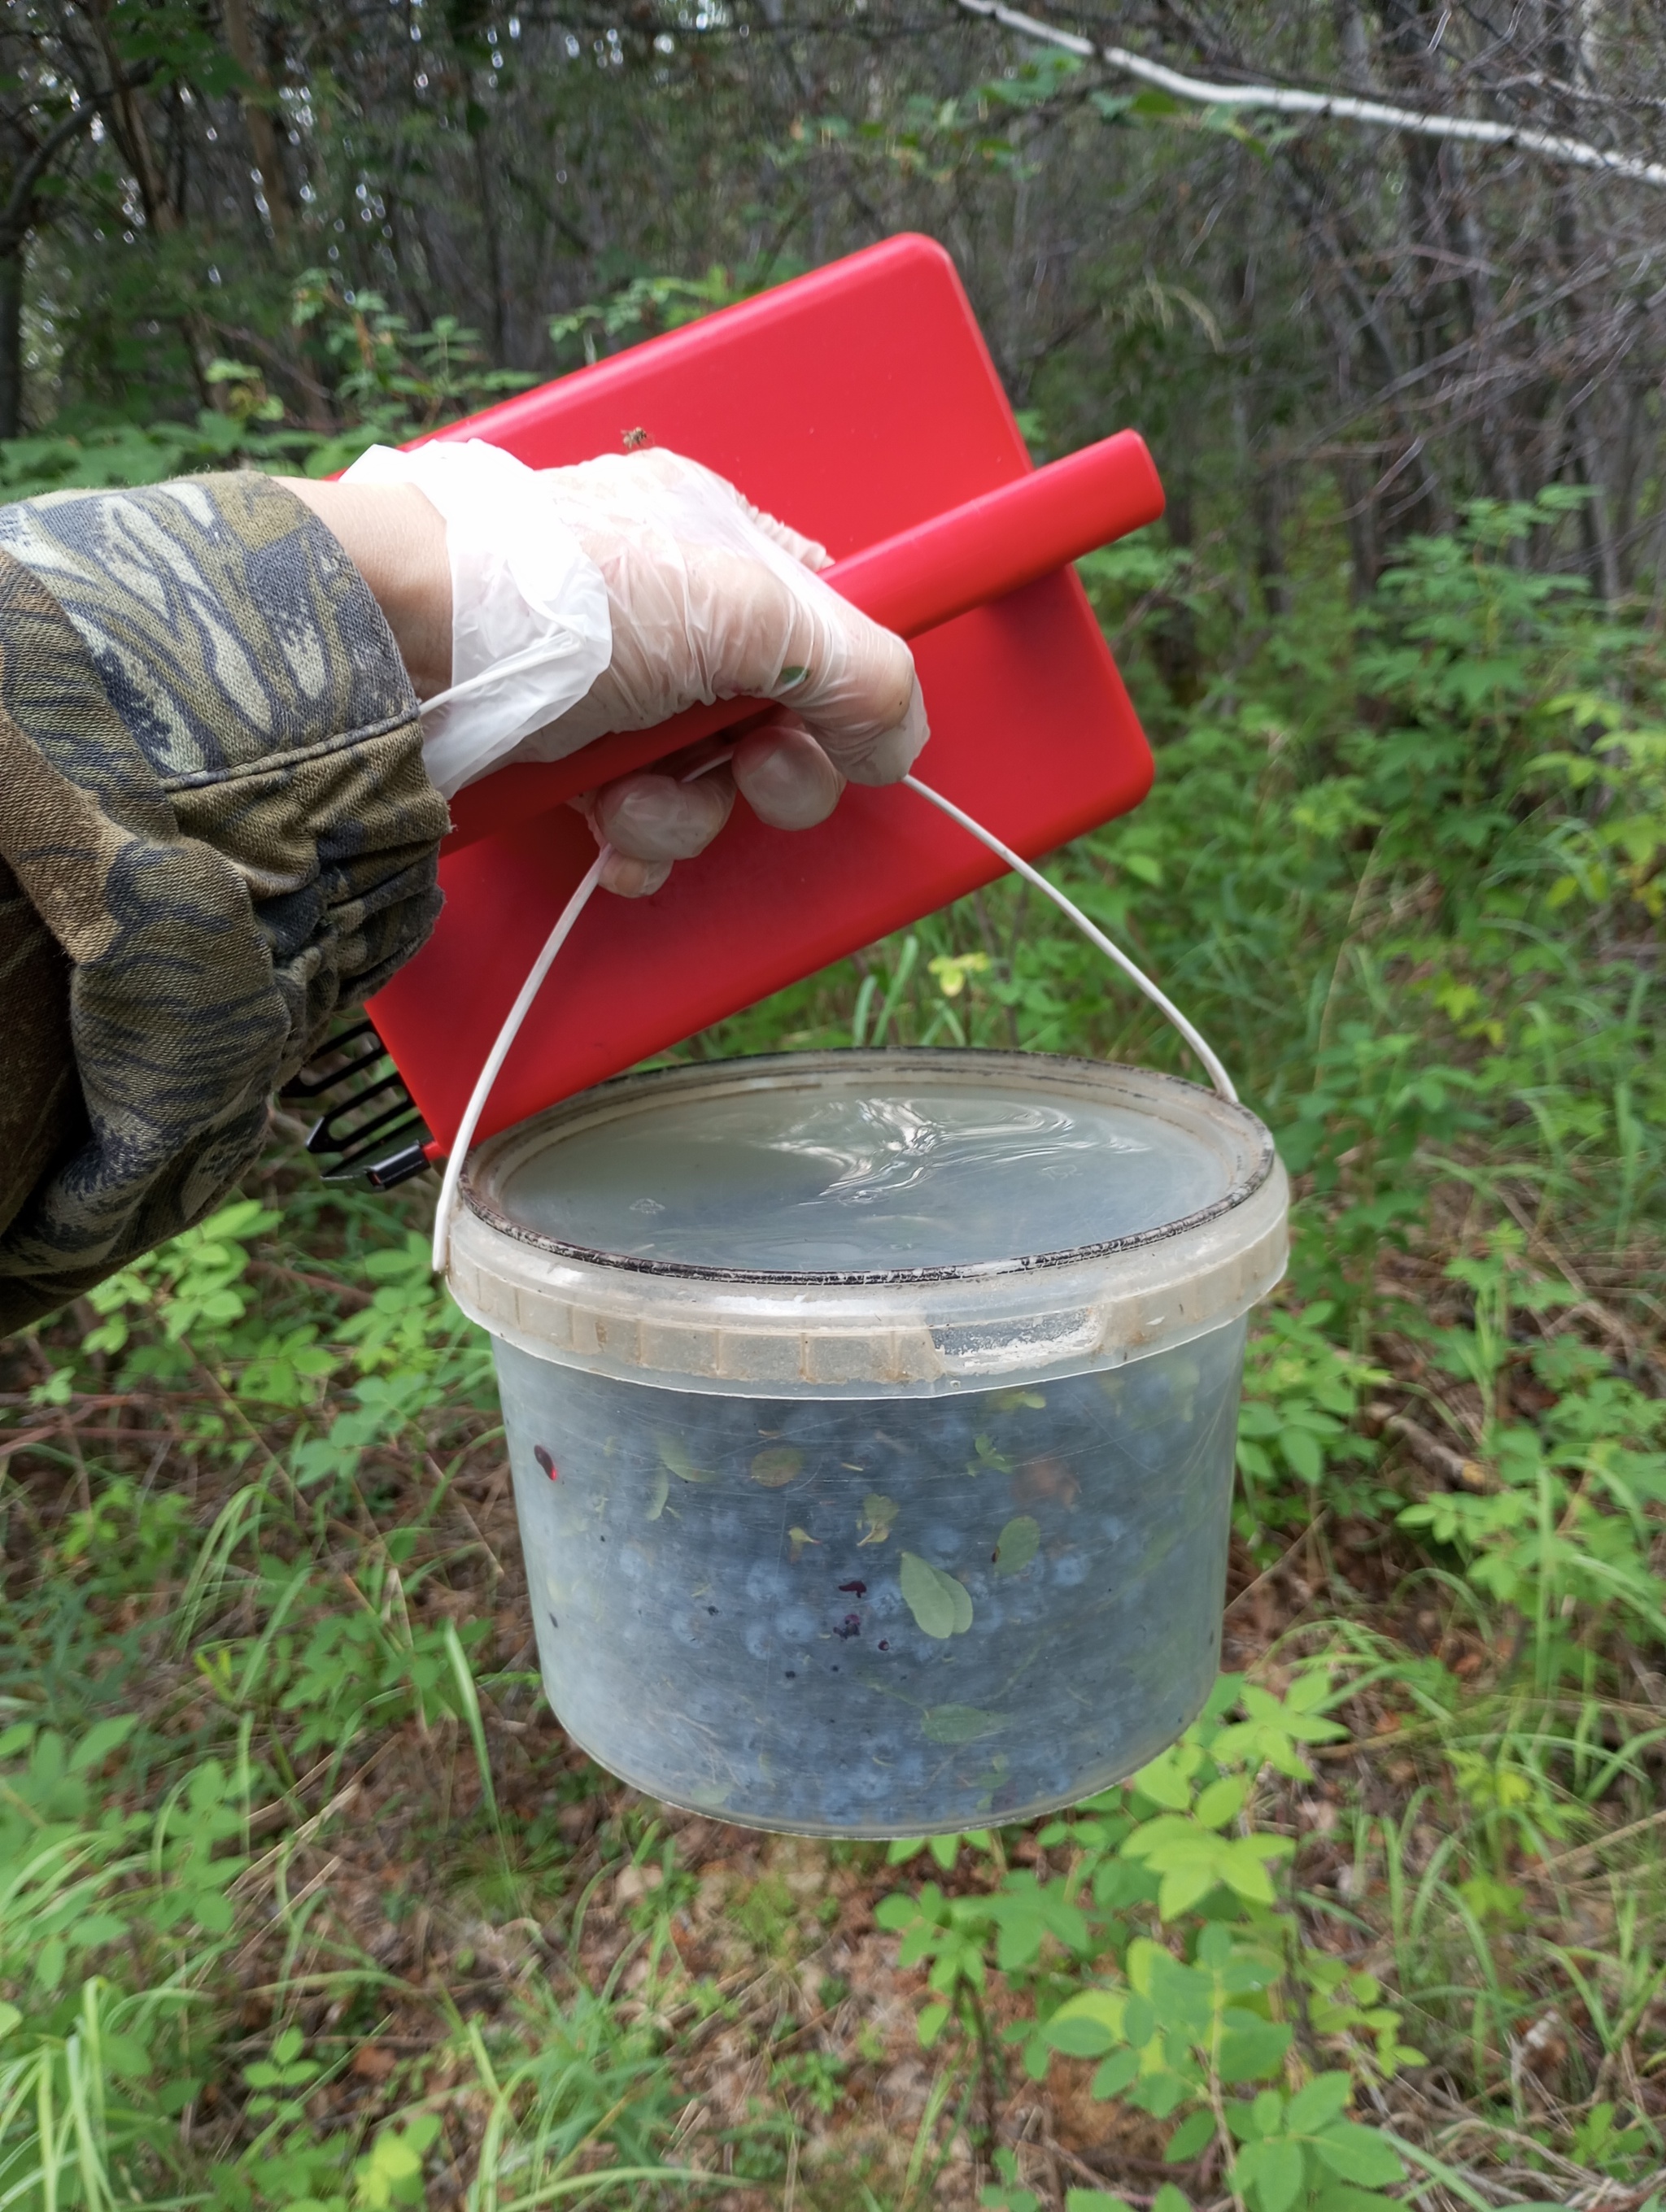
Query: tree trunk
[
  {"x": 11, "y": 341},
  {"x": 128, "y": 128},
  {"x": 263, "y": 138}
]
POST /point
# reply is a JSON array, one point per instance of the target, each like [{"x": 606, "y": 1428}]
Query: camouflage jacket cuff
[{"x": 216, "y": 830}]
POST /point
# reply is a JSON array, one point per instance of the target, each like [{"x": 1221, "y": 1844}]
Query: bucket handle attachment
[{"x": 574, "y": 907}]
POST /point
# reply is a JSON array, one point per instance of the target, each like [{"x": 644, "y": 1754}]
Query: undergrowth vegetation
[{"x": 304, "y": 1902}]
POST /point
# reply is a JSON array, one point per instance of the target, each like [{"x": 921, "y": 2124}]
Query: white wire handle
[
  {"x": 1164, "y": 1005},
  {"x": 446, "y": 1205},
  {"x": 576, "y": 905}
]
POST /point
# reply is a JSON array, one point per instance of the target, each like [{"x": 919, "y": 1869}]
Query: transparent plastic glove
[
  {"x": 699, "y": 595},
  {"x": 530, "y": 627},
  {"x": 711, "y": 598}
]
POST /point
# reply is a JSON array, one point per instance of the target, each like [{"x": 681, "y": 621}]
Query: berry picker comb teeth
[{"x": 859, "y": 403}]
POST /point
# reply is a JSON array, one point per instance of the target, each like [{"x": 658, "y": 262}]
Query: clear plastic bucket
[{"x": 871, "y": 1421}]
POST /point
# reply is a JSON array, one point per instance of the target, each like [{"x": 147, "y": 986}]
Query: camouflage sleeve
[{"x": 216, "y": 830}]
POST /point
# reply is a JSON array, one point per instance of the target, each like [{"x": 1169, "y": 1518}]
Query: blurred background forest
[
  {"x": 305, "y": 218},
  {"x": 306, "y": 1903}
]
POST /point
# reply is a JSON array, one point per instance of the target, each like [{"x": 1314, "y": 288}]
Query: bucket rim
[{"x": 583, "y": 1106}]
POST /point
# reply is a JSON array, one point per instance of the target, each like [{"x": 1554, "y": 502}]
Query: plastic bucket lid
[{"x": 869, "y": 1223}]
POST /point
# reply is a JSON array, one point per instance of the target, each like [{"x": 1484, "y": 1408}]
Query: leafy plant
[
  {"x": 252, "y": 1565},
  {"x": 1166, "y": 1953},
  {"x": 1302, "y": 1392}
]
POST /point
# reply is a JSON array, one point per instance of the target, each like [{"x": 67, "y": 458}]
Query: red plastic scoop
[{"x": 860, "y": 405}]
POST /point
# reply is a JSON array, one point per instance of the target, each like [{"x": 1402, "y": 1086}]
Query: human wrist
[
  {"x": 396, "y": 538},
  {"x": 530, "y": 630}
]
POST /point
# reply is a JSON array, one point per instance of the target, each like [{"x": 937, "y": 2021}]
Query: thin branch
[
  {"x": 1343, "y": 107},
  {"x": 16, "y": 208},
  {"x": 13, "y": 218}
]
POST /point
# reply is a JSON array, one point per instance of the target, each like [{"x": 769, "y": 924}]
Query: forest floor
[{"x": 306, "y": 1902}]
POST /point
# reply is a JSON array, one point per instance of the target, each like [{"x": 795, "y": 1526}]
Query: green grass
[{"x": 305, "y": 1901}]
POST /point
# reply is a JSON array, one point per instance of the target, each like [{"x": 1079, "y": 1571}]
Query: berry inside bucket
[{"x": 871, "y": 1421}]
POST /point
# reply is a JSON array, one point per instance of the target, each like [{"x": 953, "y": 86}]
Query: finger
[
  {"x": 632, "y": 878},
  {"x": 784, "y": 776},
  {"x": 621, "y": 873},
  {"x": 653, "y": 817},
  {"x": 885, "y": 756},
  {"x": 790, "y": 637},
  {"x": 858, "y": 689}
]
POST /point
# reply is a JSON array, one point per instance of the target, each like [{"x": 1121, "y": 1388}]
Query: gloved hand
[{"x": 703, "y": 596}]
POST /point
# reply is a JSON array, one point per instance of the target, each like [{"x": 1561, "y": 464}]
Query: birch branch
[{"x": 1343, "y": 107}]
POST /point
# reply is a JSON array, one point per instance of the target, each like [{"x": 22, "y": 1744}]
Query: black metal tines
[{"x": 369, "y": 1130}]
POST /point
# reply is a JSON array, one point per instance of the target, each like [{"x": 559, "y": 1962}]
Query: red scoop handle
[{"x": 925, "y": 576}]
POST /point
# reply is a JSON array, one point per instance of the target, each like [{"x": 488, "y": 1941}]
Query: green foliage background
[
  {"x": 1402, "y": 863},
  {"x": 1390, "y": 1924}
]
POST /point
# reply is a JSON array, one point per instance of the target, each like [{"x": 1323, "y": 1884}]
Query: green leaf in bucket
[
  {"x": 958, "y": 1723},
  {"x": 877, "y": 1514},
  {"x": 1017, "y": 1545},
  {"x": 672, "y": 1455},
  {"x": 988, "y": 1457},
  {"x": 798, "y": 1538},
  {"x": 661, "y": 1490},
  {"x": 775, "y": 1467},
  {"x": 941, "y": 1605}
]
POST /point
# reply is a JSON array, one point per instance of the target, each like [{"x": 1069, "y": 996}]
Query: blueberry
[
  {"x": 1147, "y": 1392},
  {"x": 768, "y": 1583},
  {"x": 804, "y": 1422},
  {"x": 657, "y": 1662},
  {"x": 1057, "y": 1786},
  {"x": 757, "y": 1640},
  {"x": 948, "y": 1432},
  {"x": 735, "y": 1421}
]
